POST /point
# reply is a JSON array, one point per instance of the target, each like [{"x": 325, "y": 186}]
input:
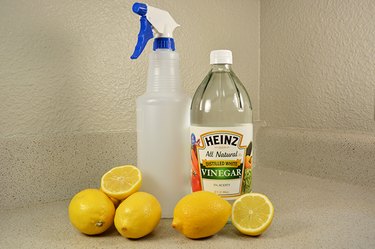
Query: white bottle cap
[{"x": 221, "y": 57}]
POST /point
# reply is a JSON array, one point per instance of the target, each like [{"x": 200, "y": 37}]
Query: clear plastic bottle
[
  {"x": 163, "y": 132},
  {"x": 162, "y": 112},
  {"x": 221, "y": 131}
]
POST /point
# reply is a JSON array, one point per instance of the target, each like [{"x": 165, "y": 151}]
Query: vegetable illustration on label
[{"x": 195, "y": 172}]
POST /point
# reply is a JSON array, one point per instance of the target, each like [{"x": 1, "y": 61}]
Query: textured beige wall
[
  {"x": 318, "y": 64},
  {"x": 65, "y": 67},
  {"x": 317, "y": 88},
  {"x": 68, "y": 87}
]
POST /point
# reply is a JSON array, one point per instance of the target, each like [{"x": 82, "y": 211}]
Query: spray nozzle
[
  {"x": 152, "y": 21},
  {"x": 140, "y": 8}
]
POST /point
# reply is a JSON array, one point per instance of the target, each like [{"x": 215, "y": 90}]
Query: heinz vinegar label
[{"x": 222, "y": 159}]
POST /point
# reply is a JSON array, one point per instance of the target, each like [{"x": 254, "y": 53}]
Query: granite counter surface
[{"x": 310, "y": 212}]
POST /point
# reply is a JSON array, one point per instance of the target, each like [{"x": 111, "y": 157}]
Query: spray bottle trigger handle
[{"x": 145, "y": 34}]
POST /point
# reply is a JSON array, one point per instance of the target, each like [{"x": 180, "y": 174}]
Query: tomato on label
[{"x": 195, "y": 182}]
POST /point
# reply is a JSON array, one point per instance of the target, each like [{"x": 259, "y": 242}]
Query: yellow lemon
[
  {"x": 252, "y": 214},
  {"x": 138, "y": 215},
  {"x": 91, "y": 211},
  {"x": 200, "y": 214},
  {"x": 122, "y": 181}
]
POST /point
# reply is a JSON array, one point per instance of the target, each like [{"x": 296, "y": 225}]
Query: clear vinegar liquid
[{"x": 221, "y": 100}]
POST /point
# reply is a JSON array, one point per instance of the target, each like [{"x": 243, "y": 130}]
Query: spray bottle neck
[
  {"x": 164, "y": 43},
  {"x": 163, "y": 72}
]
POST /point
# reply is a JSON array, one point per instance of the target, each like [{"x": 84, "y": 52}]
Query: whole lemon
[
  {"x": 91, "y": 211},
  {"x": 138, "y": 215},
  {"x": 201, "y": 214}
]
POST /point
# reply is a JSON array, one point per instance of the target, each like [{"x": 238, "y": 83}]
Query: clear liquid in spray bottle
[{"x": 162, "y": 113}]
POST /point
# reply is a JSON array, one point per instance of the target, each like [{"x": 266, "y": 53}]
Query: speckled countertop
[{"x": 309, "y": 213}]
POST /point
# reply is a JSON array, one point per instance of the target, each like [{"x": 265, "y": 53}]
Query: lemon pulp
[
  {"x": 122, "y": 181},
  {"x": 252, "y": 213}
]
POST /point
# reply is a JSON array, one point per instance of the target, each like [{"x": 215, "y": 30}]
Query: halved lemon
[
  {"x": 252, "y": 213},
  {"x": 122, "y": 181}
]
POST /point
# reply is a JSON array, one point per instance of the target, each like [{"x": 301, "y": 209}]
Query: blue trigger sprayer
[
  {"x": 163, "y": 154},
  {"x": 157, "y": 20}
]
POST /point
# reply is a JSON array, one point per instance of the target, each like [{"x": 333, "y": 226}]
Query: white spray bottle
[{"x": 162, "y": 113}]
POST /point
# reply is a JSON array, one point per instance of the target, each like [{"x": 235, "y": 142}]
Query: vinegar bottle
[{"x": 221, "y": 131}]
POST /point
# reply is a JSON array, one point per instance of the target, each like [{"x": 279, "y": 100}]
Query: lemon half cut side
[
  {"x": 252, "y": 213},
  {"x": 122, "y": 181}
]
